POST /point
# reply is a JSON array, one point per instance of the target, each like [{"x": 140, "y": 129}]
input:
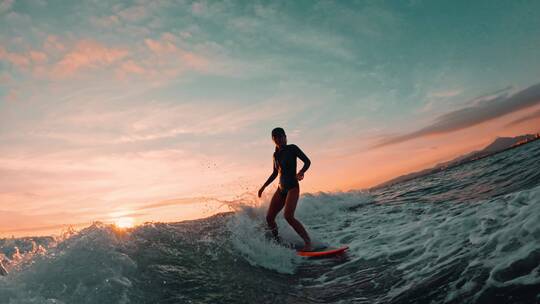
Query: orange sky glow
[{"x": 137, "y": 198}]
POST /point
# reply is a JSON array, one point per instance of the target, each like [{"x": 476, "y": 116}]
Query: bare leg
[
  {"x": 3, "y": 270},
  {"x": 276, "y": 204},
  {"x": 290, "y": 208}
]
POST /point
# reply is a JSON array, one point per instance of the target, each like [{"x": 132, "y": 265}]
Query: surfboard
[{"x": 327, "y": 252}]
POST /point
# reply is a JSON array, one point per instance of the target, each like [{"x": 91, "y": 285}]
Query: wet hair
[{"x": 278, "y": 132}]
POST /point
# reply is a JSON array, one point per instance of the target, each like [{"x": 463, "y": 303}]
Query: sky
[{"x": 161, "y": 110}]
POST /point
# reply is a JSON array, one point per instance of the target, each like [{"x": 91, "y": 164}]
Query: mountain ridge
[{"x": 500, "y": 144}]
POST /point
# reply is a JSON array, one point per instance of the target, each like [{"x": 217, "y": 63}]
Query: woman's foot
[
  {"x": 270, "y": 236},
  {"x": 307, "y": 247}
]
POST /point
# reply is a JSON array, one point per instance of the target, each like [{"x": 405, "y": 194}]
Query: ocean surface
[{"x": 470, "y": 234}]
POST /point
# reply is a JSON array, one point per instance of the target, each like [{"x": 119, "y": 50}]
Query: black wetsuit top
[{"x": 285, "y": 163}]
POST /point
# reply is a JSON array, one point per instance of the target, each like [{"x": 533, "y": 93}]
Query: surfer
[{"x": 286, "y": 195}]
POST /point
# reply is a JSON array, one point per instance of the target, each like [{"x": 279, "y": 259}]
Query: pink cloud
[
  {"x": 38, "y": 57},
  {"x": 52, "y": 45},
  {"x": 5, "y": 5},
  {"x": 15, "y": 59},
  {"x": 132, "y": 67},
  {"x": 167, "y": 49},
  {"x": 195, "y": 61},
  {"x": 88, "y": 54},
  {"x": 129, "y": 68},
  {"x": 156, "y": 60},
  {"x": 160, "y": 47},
  {"x": 24, "y": 60},
  {"x": 198, "y": 8},
  {"x": 144, "y": 10},
  {"x": 11, "y": 96},
  {"x": 58, "y": 58}
]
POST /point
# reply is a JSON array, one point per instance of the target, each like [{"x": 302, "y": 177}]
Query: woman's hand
[
  {"x": 261, "y": 191},
  {"x": 300, "y": 176}
]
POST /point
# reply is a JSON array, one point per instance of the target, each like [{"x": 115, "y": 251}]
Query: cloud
[
  {"x": 137, "y": 125},
  {"x": 11, "y": 96},
  {"x": 88, "y": 54},
  {"x": 481, "y": 111},
  {"x": 159, "y": 122},
  {"x": 15, "y": 222},
  {"x": 198, "y": 8},
  {"x": 52, "y": 44},
  {"x": 134, "y": 13},
  {"x": 155, "y": 61},
  {"x": 435, "y": 96},
  {"x": 129, "y": 68},
  {"x": 172, "y": 55},
  {"x": 164, "y": 46},
  {"x": 177, "y": 201},
  {"x": 531, "y": 116},
  {"x": 105, "y": 21},
  {"x": 23, "y": 60},
  {"x": 38, "y": 57},
  {"x": 5, "y": 5},
  {"x": 39, "y": 229},
  {"x": 56, "y": 60},
  {"x": 444, "y": 93},
  {"x": 16, "y": 59}
]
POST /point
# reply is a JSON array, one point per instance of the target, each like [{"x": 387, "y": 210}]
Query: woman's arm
[
  {"x": 270, "y": 179},
  {"x": 304, "y": 159}
]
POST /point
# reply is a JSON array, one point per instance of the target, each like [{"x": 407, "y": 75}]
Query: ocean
[{"x": 470, "y": 234}]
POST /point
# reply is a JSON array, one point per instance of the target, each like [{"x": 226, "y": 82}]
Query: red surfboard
[{"x": 323, "y": 253}]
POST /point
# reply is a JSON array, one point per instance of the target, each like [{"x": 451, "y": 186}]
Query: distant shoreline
[{"x": 432, "y": 170}]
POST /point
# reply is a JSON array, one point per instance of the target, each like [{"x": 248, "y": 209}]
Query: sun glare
[{"x": 124, "y": 222}]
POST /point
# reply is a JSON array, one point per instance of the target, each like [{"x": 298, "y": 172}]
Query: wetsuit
[{"x": 285, "y": 163}]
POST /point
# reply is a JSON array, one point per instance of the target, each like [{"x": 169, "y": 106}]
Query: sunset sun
[{"x": 124, "y": 222}]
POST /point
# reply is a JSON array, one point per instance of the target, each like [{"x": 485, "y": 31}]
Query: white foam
[
  {"x": 318, "y": 212},
  {"x": 423, "y": 239},
  {"x": 248, "y": 237},
  {"x": 86, "y": 267}
]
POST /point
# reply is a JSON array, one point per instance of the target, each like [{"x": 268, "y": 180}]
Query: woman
[{"x": 288, "y": 190}]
